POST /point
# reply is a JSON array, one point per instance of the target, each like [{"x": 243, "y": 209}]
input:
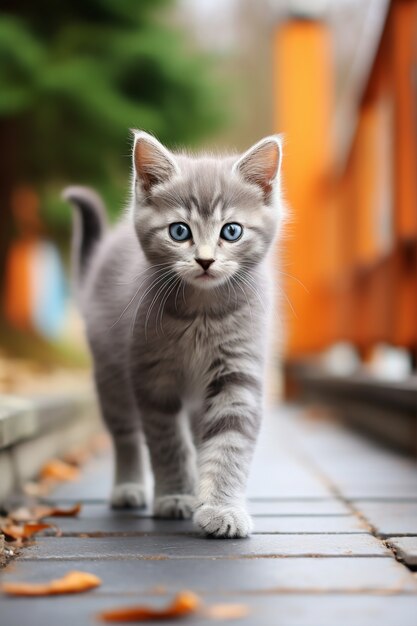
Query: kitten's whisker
[
  {"x": 126, "y": 307},
  {"x": 149, "y": 288},
  {"x": 234, "y": 290},
  {"x": 154, "y": 300},
  {"x": 178, "y": 280},
  {"x": 247, "y": 300},
  {"x": 177, "y": 292},
  {"x": 228, "y": 290},
  {"x": 164, "y": 292},
  {"x": 296, "y": 279},
  {"x": 289, "y": 303},
  {"x": 281, "y": 290},
  {"x": 252, "y": 288},
  {"x": 148, "y": 269}
]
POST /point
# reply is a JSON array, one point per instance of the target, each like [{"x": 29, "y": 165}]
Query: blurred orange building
[{"x": 353, "y": 236}]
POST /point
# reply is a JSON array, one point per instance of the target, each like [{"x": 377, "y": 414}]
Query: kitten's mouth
[{"x": 206, "y": 279}]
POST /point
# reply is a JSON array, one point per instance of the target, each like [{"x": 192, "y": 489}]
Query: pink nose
[{"x": 205, "y": 263}]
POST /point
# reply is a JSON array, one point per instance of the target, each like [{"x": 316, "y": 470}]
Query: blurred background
[{"x": 338, "y": 78}]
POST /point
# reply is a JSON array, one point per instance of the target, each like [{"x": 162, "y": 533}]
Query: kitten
[{"x": 176, "y": 300}]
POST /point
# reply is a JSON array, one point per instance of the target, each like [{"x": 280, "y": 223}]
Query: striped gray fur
[{"x": 179, "y": 353}]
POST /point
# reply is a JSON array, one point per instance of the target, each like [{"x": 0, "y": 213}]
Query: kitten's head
[{"x": 206, "y": 218}]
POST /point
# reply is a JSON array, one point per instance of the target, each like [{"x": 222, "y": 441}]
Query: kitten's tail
[{"x": 90, "y": 223}]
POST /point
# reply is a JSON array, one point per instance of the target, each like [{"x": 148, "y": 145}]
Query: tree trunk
[{"x": 9, "y": 176}]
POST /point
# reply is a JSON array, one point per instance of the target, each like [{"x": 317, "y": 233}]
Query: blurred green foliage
[{"x": 75, "y": 75}]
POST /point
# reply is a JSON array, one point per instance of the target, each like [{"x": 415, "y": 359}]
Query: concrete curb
[{"x": 33, "y": 430}]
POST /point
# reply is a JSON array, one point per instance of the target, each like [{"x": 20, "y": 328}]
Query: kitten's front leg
[{"x": 227, "y": 437}]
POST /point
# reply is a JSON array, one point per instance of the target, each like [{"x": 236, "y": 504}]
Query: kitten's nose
[{"x": 205, "y": 263}]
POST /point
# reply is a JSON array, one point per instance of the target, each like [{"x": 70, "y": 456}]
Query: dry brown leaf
[
  {"x": 73, "y": 582},
  {"x": 185, "y": 603},
  {"x": 34, "y": 514},
  {"x": 56, "y": 469},
  {"x": 22, "y": 532},
  {"x": 22, "y": 514},
  {"x": 226, "y": 611},
  {"x": 72, "y": 511},
  {"x": 40, "y": 511}
]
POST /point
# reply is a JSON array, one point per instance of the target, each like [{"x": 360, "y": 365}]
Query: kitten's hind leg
[
  {"x": 173, "y": 463},
  {"x": 129, "y": 485},
  {"x": 122, "y": 419}
]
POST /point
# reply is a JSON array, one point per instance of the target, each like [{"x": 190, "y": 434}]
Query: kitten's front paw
[
  {"x": 223, "y": 521},
  {"x": 180, "y": 506},
  {"x": 128, "y": 495}
]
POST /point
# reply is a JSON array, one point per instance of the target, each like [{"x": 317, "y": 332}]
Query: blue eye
[
  {"x": 179, "y": 231},
  {"x": 231, "y": 232}
]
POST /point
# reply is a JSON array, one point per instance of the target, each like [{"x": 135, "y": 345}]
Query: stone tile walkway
[{"x": 329, "y": 507}]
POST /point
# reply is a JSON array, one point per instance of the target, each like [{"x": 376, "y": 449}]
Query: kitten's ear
[
  {"x": 152, "y": 162},
  {"x": 260, "y": 165}
]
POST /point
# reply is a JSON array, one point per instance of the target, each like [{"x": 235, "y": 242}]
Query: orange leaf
[
  {"x": 183, "y": 604},
  {"x": 226, "y": 611},
  {"x": 73, "y": 582},
  {"x": 72, "y": 511},
  {"x": 39, "y": 512},
  {"x": 34, "y": 514},
  {"x": 22, "y": 532},
  {"x": 59, "y": 470}
]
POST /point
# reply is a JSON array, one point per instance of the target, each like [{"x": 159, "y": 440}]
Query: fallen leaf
[
  {"x": 73, "y": 582},
  {"x": 226, "y": 611},
  {"x": 59, "y": 470},
  {"x": 22, "y": 514},
  {"x": 185, "y": 603},
  {"x": 39, "y": 512},
  {"x": 72, "y": 511},
  {"x": 22, "y": 532}
]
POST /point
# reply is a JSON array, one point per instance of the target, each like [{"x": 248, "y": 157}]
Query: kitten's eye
[
  {"x": 180, "y": 231},
  {"x": 231, "y": 232}
]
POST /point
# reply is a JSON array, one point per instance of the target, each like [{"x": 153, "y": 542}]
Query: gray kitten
[{"x": 176, "y": 300}]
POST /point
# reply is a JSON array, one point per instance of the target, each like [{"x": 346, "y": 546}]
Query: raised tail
[{"x": 90, "y": 223}]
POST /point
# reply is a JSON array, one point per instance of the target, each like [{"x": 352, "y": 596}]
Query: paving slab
[
  {"x": 290, "y": 524},
  {"x": 290, "y": 506},
  {"x": 390, "y": 518},
  {"x": 312, "y": 562},
  {"x": 406, "y": 548},
  {"x": 284, "y": 481},
  {"x": 356, "y": 490},
  {"x": 276, "y": 488},
  {"x": 189, "y": 546},
  {"x": 110, "y": 524},
  {"x": 264, "y": 610},
  {"x": 304, "y": 575},
  {"x": 257, "y": 506}
]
